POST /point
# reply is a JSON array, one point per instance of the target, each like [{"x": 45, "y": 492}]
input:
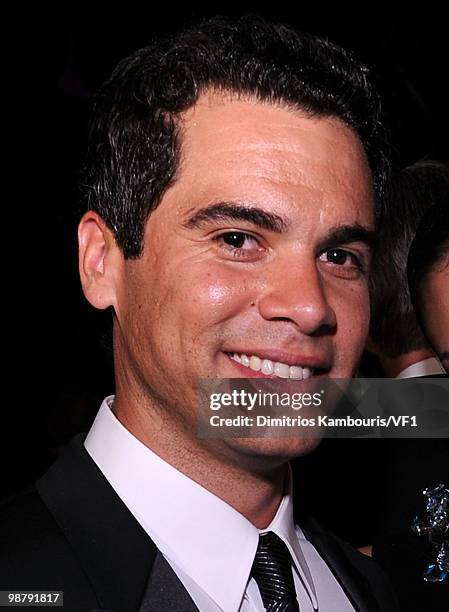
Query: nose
[{"x": 298, "y": 296}]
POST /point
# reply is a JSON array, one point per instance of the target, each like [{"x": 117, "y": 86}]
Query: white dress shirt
[
  {"x": 209, "y": 545},
  {"x": 426, "y": 367}
]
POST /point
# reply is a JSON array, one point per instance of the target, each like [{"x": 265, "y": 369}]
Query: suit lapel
[
  {"x": 165, "y": 592},
  {"x": 115, "y": 552},
  {"x": 353, "y": 582}
]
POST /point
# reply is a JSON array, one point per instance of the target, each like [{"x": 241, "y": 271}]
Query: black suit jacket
[{"x": 71, "y": 532}]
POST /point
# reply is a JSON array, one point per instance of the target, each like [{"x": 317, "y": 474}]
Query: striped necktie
[{"x": 272, "y": 570}]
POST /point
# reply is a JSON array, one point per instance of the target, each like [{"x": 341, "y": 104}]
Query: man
[{"x": 231, "y": 191}]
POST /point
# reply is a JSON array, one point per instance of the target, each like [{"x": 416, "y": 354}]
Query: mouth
[{"x": 259, "y": 365}]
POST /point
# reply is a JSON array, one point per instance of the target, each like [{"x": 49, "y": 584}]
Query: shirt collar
[
  {"x": 283, "y": 524},
  {"x": 208, "y": 539},
  {"x": 426, "y": 367}
]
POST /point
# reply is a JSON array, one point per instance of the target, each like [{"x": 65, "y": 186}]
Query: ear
[{"x": 100, "y": 261}]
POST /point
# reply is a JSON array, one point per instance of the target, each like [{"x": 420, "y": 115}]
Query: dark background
[{"x": 57, "y": 347}]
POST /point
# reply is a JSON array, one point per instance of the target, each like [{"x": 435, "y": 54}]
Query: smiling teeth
[{"x": 275, "y": 368}]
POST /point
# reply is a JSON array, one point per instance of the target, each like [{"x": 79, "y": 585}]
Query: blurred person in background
[
  {"x": 410, "y": 333},
  {"x": 428, "y": 273},
  {"x": 396, "y": 336}
]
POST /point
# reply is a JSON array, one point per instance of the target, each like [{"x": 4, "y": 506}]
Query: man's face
[
  {"x": 435, "y": 305},
  {"x": 259, "y": 250}
]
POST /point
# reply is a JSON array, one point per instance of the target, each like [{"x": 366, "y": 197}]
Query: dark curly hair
[{"x": 135, "y": 140}]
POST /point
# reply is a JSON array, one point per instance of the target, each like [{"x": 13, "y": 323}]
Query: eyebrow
[
  {"x": 234, "y": 211},
  {"x": 345, "y": 234}
]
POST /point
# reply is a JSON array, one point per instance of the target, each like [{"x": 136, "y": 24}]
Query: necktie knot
[{"x": 272, "y": 570}]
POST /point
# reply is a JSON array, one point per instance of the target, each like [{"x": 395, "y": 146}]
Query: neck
[
  {"x": 233, "y": 474},
  {"x": 392, "y": 366}
]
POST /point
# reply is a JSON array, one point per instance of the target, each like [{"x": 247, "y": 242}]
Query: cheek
[
  {"x": 435, "y": 304},
  {"x": 436, "y": 324},
  {"x": 442, "y": 307},
  {"x": 211, "y": 297},
  {"x": 353, "y": 312}
]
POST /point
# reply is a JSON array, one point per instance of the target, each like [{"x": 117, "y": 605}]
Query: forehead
[{"x": 248, "y": 151}]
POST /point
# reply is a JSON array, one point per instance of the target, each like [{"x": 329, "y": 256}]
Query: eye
[
  {"x": 235, "y": 239},
  {"x": 239, "y": 245},
  {"x": 340, "y": 257},
  {"x": 342, "y": 262}
]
